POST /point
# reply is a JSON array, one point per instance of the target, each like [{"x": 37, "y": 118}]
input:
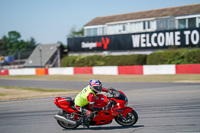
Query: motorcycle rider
[{"x": 85, "y": 100}]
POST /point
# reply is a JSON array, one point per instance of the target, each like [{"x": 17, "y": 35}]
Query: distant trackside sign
[{"x": 145, "y": 40}]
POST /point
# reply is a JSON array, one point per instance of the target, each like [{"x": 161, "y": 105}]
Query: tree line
[{"x": 12, "y": 44}]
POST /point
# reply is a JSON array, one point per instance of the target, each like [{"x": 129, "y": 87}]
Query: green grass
[
  {"x": 111, "y": 78},
  {"x": 36, "y": 89},
  {"x": 2, "y": 94}
]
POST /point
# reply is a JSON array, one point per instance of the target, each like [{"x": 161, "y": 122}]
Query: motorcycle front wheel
[
  {"x": 131, "y": 119},
  {"x": 63, "y": 124}
]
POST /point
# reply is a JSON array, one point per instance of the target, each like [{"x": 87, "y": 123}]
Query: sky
[{"x": 50, "y": 21}]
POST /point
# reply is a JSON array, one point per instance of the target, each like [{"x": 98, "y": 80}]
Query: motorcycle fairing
[
  {"x": 103, "y": 118},
  {"x": 126, "y": 110},
  {"x": 65, "y": 104}
]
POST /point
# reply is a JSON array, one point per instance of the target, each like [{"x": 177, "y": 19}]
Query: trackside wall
[{"x": 108, "y": 70}]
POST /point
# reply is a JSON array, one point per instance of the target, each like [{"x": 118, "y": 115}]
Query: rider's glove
[
  {"x": 110, "y": 90},
  {"x": 105, "y": 108},
  {"x": 108, "y": 106}
]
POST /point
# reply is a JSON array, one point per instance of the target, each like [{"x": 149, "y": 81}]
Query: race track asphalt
[{"x": 162, "y": 108}]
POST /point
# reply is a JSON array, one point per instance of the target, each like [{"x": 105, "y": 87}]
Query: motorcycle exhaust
[{"x": 63, "y": 119}]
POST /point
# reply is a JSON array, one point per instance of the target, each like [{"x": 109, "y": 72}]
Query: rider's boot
[{"x": 86, "y": 122}]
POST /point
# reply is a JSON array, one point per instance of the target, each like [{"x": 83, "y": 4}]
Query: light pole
[
  {"x": 58, "y": 55},
  {"x": 40, "y": 49}
]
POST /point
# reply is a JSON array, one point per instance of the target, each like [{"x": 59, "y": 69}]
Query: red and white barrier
[
  {"x": 109, "y": 70},
  {"x": 4, "y": 72},
  {"x": 188, "y": 69},
  {"x": 24, "y": 71},
  {"x": 83, "y": 70},
  {"x": 105, "y": 70},
  {"x": 61, "y": 71},
  {"x": 159, "y": 69},
  {"x": 130, "y": 70}
]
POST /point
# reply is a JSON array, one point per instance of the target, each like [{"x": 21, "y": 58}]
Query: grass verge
[
  {"x": 191, "y": 78},
  {"x": 12, "y": 93},
  {"x": 2, "y": 94},
  {"x": 36, "y": 89}
]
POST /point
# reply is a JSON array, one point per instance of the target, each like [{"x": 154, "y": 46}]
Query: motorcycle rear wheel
[
  {"x": 131, "y": 119},
  {"x": 63, "y": 124}
]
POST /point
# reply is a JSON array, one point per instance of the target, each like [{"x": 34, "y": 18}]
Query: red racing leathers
[{"x": 87, "y": 109}]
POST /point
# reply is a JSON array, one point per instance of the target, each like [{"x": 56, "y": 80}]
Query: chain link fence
[{"x": 13, "y": 59}]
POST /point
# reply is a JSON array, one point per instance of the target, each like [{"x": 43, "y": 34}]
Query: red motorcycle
[{"x": 116, "y": 102}]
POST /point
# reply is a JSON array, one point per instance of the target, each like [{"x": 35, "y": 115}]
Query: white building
[
  {"x": 144, "y": 21},
  {"x": 140, "y": 32}
]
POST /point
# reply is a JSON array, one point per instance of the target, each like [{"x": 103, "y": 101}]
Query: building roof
[
  {"x": 47, "y": 51},
  {"x": 163, "y": 12}
]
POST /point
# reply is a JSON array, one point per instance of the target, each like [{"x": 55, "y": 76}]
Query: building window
[
  {"x": 117, "y": 28},
  {"x": 171, "y": 24},
  {"x": 136, "y": 26},
  {"x": 144, "y": 25},
  {"x": 153, "y": 24},
  {"x": 182, "y": 23},
  {"x": 191, "y": 22},
  {"x": 91, "y": 32},
  {"x": 199, "y": 21},
  {"x": 113, "y": 29},
  {"x": 148, "y": 25},
  {"x": 88, "y": 32},
  {"x": 124, "y": 27},
  {"x": 94, "y": 32},
  {"x": 101, "y": 31},
  {"x": 187, "y": 23},
  {"x": 160, "y": 25}
]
